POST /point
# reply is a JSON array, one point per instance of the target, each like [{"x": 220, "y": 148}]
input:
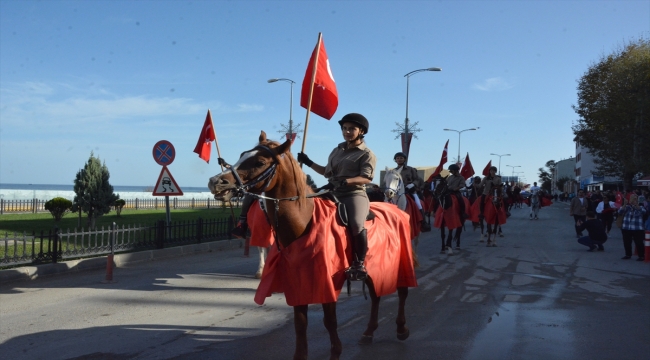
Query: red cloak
[{"x": 311, "y": 269}]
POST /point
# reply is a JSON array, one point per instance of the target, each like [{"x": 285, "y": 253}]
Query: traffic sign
[
  {"x": 166, "y": 185},
  {"x": 164, "y": 153}
]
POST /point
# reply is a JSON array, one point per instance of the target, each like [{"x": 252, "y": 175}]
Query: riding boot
[
  {"x": 461, "y": 207},
  {"x": 424, "y": 226},
  {"x": 358, "y": 272}
]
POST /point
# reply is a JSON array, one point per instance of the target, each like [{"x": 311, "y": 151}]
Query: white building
[
  {"x": 565, "y": 169},
  {"x": 584, "y": 169}
]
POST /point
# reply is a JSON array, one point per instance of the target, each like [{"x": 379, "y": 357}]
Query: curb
[{"x": 28, "y": 273}]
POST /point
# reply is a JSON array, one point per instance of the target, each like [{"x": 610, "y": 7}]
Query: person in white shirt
[
  {"x": 534, "y": 190},
  {"x": 605, "y": 212}
]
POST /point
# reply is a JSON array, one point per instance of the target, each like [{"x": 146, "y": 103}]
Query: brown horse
[{"x": 294, "y": 212}]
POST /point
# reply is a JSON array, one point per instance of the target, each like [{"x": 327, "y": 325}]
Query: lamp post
[
  {"x": 290, "y": 130},
  {"x": 500, "y": 160},
  {"x": 460, "y": 132},
  {"x": 517, "y": 174},
  {"x": 407, "y": 130},
  {"x": 513, "y": 169}
]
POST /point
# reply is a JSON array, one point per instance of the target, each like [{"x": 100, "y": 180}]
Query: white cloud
[
  {"x": 63, "y": 104},
  {"x": 493, "y": 84}
]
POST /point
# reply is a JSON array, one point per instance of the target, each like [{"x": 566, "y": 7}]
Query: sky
[{"x": 112, "y": 78}]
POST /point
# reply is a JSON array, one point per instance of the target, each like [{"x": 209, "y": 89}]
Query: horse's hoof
[
  {"x": 365, "y": 340},
  {"x": 258, "y": 275},
  {"x": 403, "y": 336}
]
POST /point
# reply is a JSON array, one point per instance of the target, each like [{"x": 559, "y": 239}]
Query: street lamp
[
  {"x": 460, "y": 132},
  {"x": 513, "y": 169},
  {"x": 290, "y": 130},
  {"x": 500, "y": 160},
  {"x": 407, "y": 129}
]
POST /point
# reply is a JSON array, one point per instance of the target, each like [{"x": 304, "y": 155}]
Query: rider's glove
[
  {"x": 303, "y": 158},
  {"x": 343, "y": 183},
  {"x": 410, "y": 188}
]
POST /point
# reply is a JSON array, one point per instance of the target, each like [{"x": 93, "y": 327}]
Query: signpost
[{"x": 164, "y": 154}]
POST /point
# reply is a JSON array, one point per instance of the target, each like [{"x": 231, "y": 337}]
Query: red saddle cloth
[
  {"x": 494, "y": 215},
  {"x": 451, "y": 216},
  {"x": 546, "y": 202},
  {"x": 261, "y": 234},
  {"x": 312, "y": 269}
]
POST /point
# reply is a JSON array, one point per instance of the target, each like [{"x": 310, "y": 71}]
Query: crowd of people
[{"x": 596, "y": 212}]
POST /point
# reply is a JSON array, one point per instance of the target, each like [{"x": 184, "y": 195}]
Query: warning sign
[{"x": 166, "y": 185}]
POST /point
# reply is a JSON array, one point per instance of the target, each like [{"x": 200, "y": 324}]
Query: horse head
[
  {"x": 393, "y": 184},
  {"x": 255, "y": 171}
]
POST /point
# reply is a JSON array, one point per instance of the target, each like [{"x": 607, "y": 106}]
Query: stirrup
[{"x": 356, "y": 272}]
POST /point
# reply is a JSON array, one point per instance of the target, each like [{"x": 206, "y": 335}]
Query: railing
[
  {"x": 58, "y": 245},
  {"x": 36, "y": 205}
]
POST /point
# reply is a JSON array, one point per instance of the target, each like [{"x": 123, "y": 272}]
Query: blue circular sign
[{"x": 164, "y": 153}]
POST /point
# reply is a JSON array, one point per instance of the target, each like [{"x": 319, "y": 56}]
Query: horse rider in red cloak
[
  {"x": 350, "y": 166},
  {"x": 455, "y": 182},
  {"x": 488, "y": 183},
  {"x": 413, "y": 185}
]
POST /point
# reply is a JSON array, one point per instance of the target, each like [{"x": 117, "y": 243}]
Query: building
[
  {"x": 584, "y": 169},
  {"x": 564, "y": 169}
]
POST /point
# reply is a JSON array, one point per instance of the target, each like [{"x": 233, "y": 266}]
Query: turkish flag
[
  {"x": 467, "y": 170},
  {"x": 325, "y": 98},
  {"x": 443, "y": 161},
  {"x": 205, "y": 139},
  {"x": 486, "y": 171}
]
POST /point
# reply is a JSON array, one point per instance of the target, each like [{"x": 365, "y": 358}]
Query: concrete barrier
[{"x": 24, "y": 273}]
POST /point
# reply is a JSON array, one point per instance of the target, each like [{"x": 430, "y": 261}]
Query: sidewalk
[{"x": 25, "y": 273}]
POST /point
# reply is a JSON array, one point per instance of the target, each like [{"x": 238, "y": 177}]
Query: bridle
[{"x": 400, "y": 184}]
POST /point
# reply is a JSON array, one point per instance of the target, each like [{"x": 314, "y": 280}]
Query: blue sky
[{"x": 114, "y": 77}]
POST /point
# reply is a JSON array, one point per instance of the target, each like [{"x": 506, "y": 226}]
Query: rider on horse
[
  {"x": 455, "y": 183},
  {"x": 412, "y": 183},
  {"x": 350, "y": 166},
  {"x": 488, "y": 182},
  {"x": 535, "y": 191}
]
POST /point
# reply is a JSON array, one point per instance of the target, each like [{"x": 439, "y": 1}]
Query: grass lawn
[{"x": 10, "y": 223}]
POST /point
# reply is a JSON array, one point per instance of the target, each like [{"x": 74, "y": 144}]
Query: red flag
[
  {"x": 486, "y": 171},
  {"x": 205, "y": 139},
  {"x": 325, "y": 98},
  {"x": 467, "y": 170},
  {"x": 443, "y": 161}
]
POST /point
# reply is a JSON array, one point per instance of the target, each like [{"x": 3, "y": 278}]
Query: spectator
[
  {"x": 578, "y": 209},
  {"x": 632, "y": 229},
  {"x": 605, "y": 213},
  {"x": 596, "y": 230}
]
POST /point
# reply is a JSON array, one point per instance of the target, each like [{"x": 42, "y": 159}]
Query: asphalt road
[{"x": 538, "y": 295}]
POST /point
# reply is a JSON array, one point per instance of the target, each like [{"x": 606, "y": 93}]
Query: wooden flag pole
[
  {"x": 311, "y": 92},
  {"x": 216, "y": 143}
]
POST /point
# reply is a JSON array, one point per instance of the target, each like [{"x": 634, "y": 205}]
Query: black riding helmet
[
  {"x": 493, "y": 168},
  {"x": 453, "y": 167},
  {"x": 400, "y": 154},
  {"x": 357, "y": 119}
]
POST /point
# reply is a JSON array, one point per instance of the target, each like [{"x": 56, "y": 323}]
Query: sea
[{"x": 50, "y": 191}]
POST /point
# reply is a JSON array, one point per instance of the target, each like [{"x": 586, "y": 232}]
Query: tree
[
  {"x": 311, "y": 183},
  {"x": 561, "y": 181},
  {"x": 94, "y": 193},
  {"x": 614, "y": 106},
  {"x": 546, "y": 175},
  {"x": 58, "y": 207}
]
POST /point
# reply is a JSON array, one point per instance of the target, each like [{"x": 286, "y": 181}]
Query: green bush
[
  {"x": 119, "y": 204},
  {"x": 58, "y": 207}
]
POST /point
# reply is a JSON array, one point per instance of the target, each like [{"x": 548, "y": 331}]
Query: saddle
[{"x": 341, "y": 212}]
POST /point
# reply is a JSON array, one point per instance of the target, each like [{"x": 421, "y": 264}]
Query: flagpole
[
  {"x": 214, "y": 131},
  {"x": 311, "y": 92},
  {"x": 216, "y": 143}
]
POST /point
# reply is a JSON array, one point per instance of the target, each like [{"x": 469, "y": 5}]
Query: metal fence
[
  {"x": 36, "y": 205},
  {"x": 55, "y": 245}
]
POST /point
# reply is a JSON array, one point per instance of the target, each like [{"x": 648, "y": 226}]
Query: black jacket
[{"x": 596, "y": 230}]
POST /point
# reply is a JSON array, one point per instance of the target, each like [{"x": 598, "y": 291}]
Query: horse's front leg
[
  {"x": 331, "y": 324},
  {"x": 459, "y": 231},
  {"x": 414, "y": 254},
  {"x": 442, "y": 238},
  {"x": 373, "y": 323},
  {"x": 300, "y": 325},
  {"x": 448, "y": 243},
  {"x": 402, "y": 331}
]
